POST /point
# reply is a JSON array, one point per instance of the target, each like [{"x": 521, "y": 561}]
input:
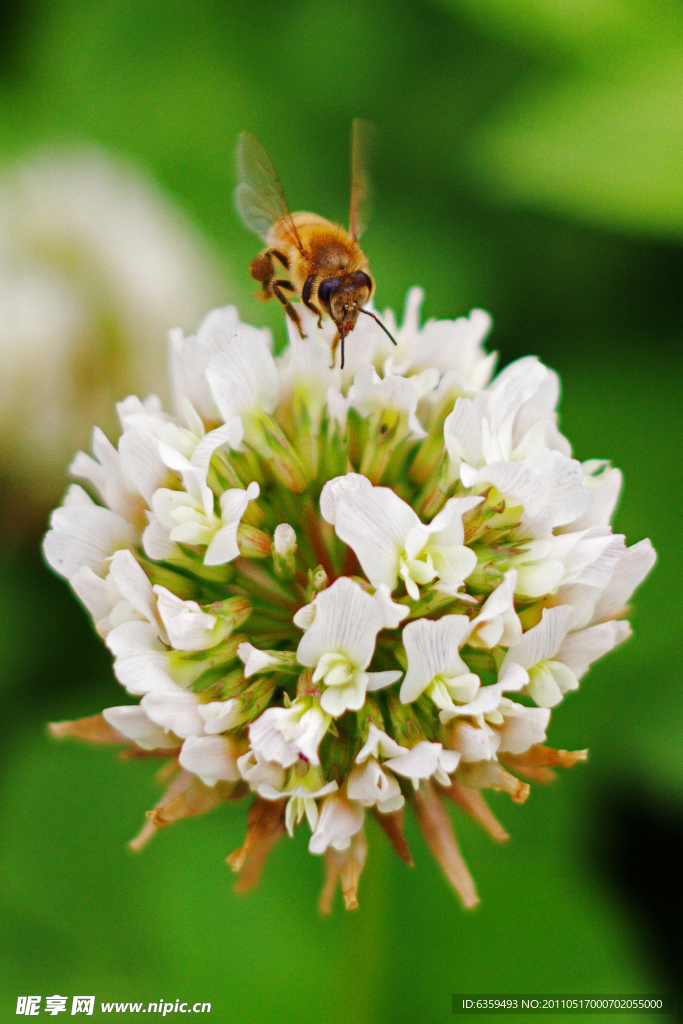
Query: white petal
[
  {"x": 349, "y": 697},
  {"x": 487, "y": 698},
  {"x": 605, "y": 494},
  {"x": 419, "y": 763},
  {"x": 223, "y": 547},
  {"x": 379, "y": 744},
  {"x": 580, "y": 650},
  {"x": 368, "y": 784},
  {"x": 284, "y": 540},
  {"x": 303, "y": 618},
  {"x": 219, "y": 715},
  {"x": 432, "y": 649},
  {"x": 211, "y": 758},
  {"x": 340, "y": 819},
  {"x": 131, "y": 721},
  {"x": 474, "y": 744},
  {"x": 537, "y": 578},
  {"x": 630, "y": 571},
  {"x": 542, "y": 641},
  {"x": 563, "y": 676},
  {"x": 230, "y": 435},
  {"x": 375, "y": 524},
  {"x": 85, "y": 535},
  {"x": 191, "y": 356},
  {"x": 141, "y": 659},
  {"x": 75, "y": 495},
  {"x": 512, "y": 677},
  {"x": 92, "y": 591},
  {"x": 175, "y": 710},
  {"x": 447, "y": 527},
  {"x": 86, "y": 468},
  {"x": 104, "y": 473},
  {"x": 371, "y": 394},
  {"x": 500, "y": 601},
  {"x": 141, "y": 462},
  {"x": 271, "y": 739},
  {"x": 253, "y": 659},
  {"x": 462, "y": 432},
  {"x": 378, "y": 680},
  {"x": 542, "y": 686},
  {"x": 516, "y": 480},
  {"x": 592, "y": 559},
  {"x": 347, "y": 621},
  {"x": 523, "y": 730},
  {"x": 132, "y": 583},
  {"x": 257, "y": 772},
  {"x": 393, "y": 612},
  {"x": 568, "y": 494},
  {"x": 449, "y": 760},
  {"x": 521, "y": 381},
  {"x": 156, "y": 541},
  {"x": 337, "y": 407},
  {"x": 243, "y": 377},
  {"x": 453, "y": 564},
  {"x": 284, "y": 735},
  {"x": 188, "y": 627}
]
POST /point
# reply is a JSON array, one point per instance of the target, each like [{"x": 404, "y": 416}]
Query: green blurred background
[{"x": 530, "y": 162}]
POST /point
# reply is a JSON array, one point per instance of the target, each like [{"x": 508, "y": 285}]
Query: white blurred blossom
[{"x": 95, "y": 264}]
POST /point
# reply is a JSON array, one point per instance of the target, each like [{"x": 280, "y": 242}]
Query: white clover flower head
[{"x": 335, "y": 592}]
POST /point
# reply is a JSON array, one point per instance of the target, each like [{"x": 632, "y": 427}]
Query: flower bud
[
  {"x": 317, "y": 581},
  {"x": 235, "y": 609},
  {"x": 284, "y": 551},
  {"x": 252, "y": 542}
]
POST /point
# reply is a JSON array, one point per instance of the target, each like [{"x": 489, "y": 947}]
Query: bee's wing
[
  {"x": 362, "y": 133},
  {"x": 259, "y": 197}
]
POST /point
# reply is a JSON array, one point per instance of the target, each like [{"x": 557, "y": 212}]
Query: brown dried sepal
[
  {"x": 536, "y": 762},
  {"x": 94, "y": 729},
  {"x": 345, "y": 866},
  {"x": 187, "y": 796},
  {"x": 392, "y": 826},
  {"x": 135, "y": 753},
  {"x": 492, "y": 775},
  {"x": 265, "y": 825},
  {"x": 438, "y": 832},
  {"x": 196, "y": 799},
  {"x": 472, "y": 801}
]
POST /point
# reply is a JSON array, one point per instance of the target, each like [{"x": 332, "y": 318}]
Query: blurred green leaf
[{"x": 596, "y": 131}]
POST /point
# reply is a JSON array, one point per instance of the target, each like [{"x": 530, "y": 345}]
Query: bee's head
[{"x": 342, "y": 297}]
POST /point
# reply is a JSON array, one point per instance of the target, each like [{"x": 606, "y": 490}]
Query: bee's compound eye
[
  {"x": 361, "y": 280},
  {"x": 326, "y": 289}
]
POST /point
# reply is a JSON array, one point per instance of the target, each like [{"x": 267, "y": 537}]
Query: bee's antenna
[{"x": 377, "y": 319}]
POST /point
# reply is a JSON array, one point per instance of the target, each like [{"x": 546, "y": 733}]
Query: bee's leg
[
  {"x": 289, "y": 308},
  {"x": 279, "y": 256},
  {"x": 306, "y": 298},
  {"x": 262, "y": 270},
  {"x": 333, "y": 351},
  {"x": 314, "y": 309}
]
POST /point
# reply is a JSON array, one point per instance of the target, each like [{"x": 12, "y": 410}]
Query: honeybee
[{"x": 325, "y": 266}]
